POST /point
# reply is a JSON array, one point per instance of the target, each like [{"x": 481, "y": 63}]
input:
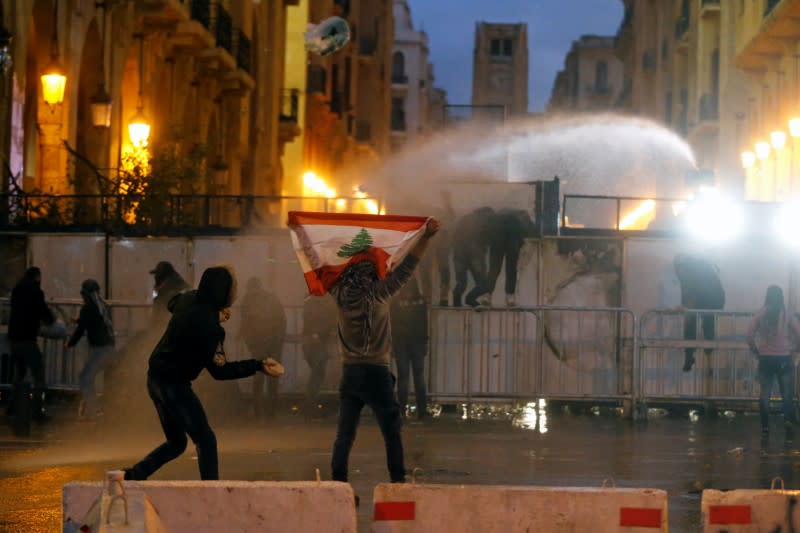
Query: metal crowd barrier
[
  {"x": 532, "y": 352},
  {"x": 62, "y": 367},
  {"x": 724, "y": 369}
]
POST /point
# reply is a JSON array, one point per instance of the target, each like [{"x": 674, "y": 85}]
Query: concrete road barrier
[
  {"x": 750, "y": 511},
  {"x": 406, "y": 508},
  {"x": 213, "y": 506}
]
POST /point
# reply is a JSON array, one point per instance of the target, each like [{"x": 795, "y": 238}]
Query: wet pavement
[{"x": 533, "y": 445}]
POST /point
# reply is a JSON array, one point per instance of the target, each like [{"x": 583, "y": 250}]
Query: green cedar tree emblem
[{"x": 360, "y": 242}]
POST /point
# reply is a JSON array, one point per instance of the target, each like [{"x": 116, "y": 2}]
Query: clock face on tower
[{"x": 500, "y": 80}]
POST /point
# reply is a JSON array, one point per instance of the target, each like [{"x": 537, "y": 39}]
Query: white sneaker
[
  {"x": 484, "y": 301},
  {"x": 511, "y": 301}
]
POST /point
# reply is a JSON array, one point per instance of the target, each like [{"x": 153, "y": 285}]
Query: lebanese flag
[{"x": 327, "y": 243}]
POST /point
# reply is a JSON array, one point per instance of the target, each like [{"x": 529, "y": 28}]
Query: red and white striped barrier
[
  {"x": 750, "y": 511},
  {"x": 406, "y": 508}
]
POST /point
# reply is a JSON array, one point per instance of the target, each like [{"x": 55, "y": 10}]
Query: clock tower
[{"x": 500, "y": 67}]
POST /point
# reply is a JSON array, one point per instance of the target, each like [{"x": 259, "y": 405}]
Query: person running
[
  {"x": 95, "y": 321},
  {"x": 193, "y": 341},
  {"x": 773, "y": 336},
  {"x": 365, "y": 343}
]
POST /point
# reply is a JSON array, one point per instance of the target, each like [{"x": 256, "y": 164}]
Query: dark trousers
[
  {"x": 260, "y": 350},
  {"x": 371, "y": 385},
  {"x": 471, "y": 259},
  {"x": 410, "y": 355},
  {"x": 510, "y": 252},
  {"x": 780, "y": 367},
  {"x": 180, "y": 413},
  {"x": 26, "y": 355},
  {"x": 315, "y": 352},
  {"x": 690, "y": 332}
]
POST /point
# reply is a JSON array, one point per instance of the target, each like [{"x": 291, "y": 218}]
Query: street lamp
[
  {"x": 778, "y": 139},
  {"x": 762, "y": 150},
  {"x": 100, "y": 102},
  {"x": 139, "y": 126},
  {"x": 5, "y": 44},
  {"x": 54, "y": 79},
  {"x": 748, "y": 159}
]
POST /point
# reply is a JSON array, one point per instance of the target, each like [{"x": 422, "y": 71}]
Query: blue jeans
[
  {"x": 180, "y": 412},
  {"x": 99, "y": 359},
  {"x": 771, "y": 367},
  {"x": 371, "y": 385}
]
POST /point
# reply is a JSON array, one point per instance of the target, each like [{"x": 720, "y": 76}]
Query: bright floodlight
[
  {"x": 778, "y": 139},
  {"x": 712, "y": 217},
  {"x": 762, "y": 150},
  {"x": 786, "y": 223}
]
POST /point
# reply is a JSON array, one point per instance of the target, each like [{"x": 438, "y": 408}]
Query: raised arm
[{"x": 397, "y": 278}]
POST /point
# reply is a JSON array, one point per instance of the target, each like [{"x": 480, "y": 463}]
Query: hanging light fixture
[
  {"x": 100, "y": 102},
  {"x": 748, "y": 159},
  {"x": 139, "y": 126},
  {"x": 54, "y": 79},
  {"x": 6, "y": 37}
]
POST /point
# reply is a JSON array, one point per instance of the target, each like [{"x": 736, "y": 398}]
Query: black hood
[{"x": 217, "y": 287}]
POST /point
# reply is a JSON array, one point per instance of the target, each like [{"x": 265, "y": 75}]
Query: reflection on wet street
[{"x": 534, "y": 444}]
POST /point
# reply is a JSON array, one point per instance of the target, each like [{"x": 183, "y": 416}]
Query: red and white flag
[{"x": 327, "y": 243}]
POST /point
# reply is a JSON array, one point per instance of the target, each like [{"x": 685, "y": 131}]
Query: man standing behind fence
[
  {"x": 701, "y": 288},
  {"x": 319, "y": 331},
  {"x": 28, "y": 311},
  {"x": 263, "y": 330},
  {"x": 773, "y": 337},
  {"x": 410, "y": 344}
]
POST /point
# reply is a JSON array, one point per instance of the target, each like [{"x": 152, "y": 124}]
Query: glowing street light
[
  {"x": 794, "y": 127},
  {"x": 778, "y": 139},
  {"x": 54, "y": 79},
  {"x": 139, "y": 129},
  {"x": 762, "y": 150},
  {"x": 748, "y": 159}
]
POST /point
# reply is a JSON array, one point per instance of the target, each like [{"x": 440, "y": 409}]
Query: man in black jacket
[
  {"x": 471, "y": 240},
  {"x": 193, "y": 341},
  {"x": 409, "y": 317},
  {"x": 166, "y": 284},
  {"x": 28, "y": 312}
]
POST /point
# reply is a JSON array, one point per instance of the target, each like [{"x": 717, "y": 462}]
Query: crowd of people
[{"x": 356, "y": 315}]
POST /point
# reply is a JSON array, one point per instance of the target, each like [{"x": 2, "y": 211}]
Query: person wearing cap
[
  {"x": 167, "y": 283},
  {"x": 95, "y": 321},
  {"x": 192, "y": 342}
]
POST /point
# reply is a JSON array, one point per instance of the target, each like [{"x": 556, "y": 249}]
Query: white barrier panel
[
  {"x": 213, "y": 506},
  {"x": 750, "y": 511},
  {"x": 406, "y": 508}
]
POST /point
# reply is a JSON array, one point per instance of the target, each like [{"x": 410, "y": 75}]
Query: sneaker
[{"x": 511, "y": 300}]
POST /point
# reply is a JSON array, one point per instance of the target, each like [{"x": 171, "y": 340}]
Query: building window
[
  {"x": 501, "y": 47},
  {"x": 399, "y": 68},
  {"x": 668, "y": 108},
  {"x": 601, "y": 76},
  {"x": 398, "y": 114},
  {"x": 664, "y": 50}
]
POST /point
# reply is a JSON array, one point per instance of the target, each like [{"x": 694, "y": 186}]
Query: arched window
[
  {"x": 399, "y": 68},
  {"x": 601, "y": 75}
]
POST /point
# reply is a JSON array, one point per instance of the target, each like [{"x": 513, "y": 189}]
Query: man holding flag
[{"x": 362, "y": 260}]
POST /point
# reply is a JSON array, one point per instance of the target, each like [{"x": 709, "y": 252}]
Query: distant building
[
  {"x": 592, "y": 78},
  {"x": 500, "y": 67},
  {"x": 412, "y": 80}
]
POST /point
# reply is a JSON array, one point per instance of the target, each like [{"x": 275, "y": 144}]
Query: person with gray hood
[
  {"x": 193, "y": 341},
  {"x": 365, "y": 343},
  {"x": 95, "y": 321}
]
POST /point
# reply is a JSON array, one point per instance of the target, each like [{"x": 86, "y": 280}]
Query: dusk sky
[{"x": 552, "y": 26}]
